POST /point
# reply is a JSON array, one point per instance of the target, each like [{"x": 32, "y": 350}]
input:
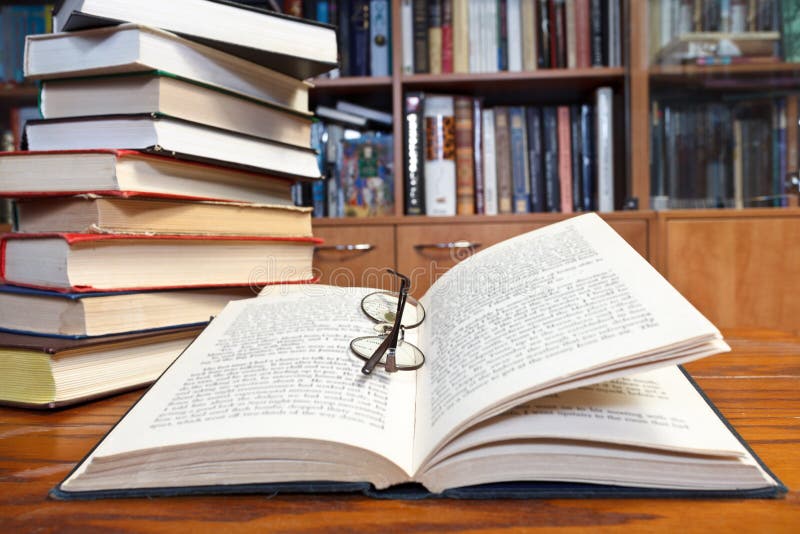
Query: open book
[{"x": 549, "y": 357}]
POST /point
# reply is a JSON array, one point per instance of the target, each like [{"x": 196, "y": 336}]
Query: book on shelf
[
  {"x": 19, "y": 116},
  {"x": 692, "y": 46},
  {"x": 89, "y": 213},
  {"x": 440, "y": 155},
  {"x": 505, "y": 183},
  {"x": 46, "y": 372},
  {"x": 365, "y": 175},
  {"x": 80, "y": 315},
  {"x": 17, "y": 21},
  {"x": 257, "y": 35},
  {"x": 489, "y": 156},
  {"x": 414, "y": 153},
  {"x": 604, "y": 147},
  {"x": 129, "y": 173},
  {"x": 790, "y": 30},
  {"x": 159, "y": 92},
  {"x": 465, "y": 155},
  {"x": 380, "y": 56},
  {"x": 132, "y": 48},
  {"x": 164, "y": 134},
  {"x": 342, "y": 117},
  {"x": 520, "y": 171},
  {"x": 407, "y": 23},
  {"x": 358, "y": 34},
  {"x": 589, "y": 403},
  {"x": 375, "y": 115},
  {"x": 81, "y": 263}
]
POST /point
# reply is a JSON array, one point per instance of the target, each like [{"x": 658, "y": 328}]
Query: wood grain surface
[{"x": 757, "y": 387}]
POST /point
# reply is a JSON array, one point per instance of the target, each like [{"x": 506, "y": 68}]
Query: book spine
[
  {"x": 583, "y": 48},
  {"x": 520, "y": 176},
  {"x": 413, "y": 154},
  {"x": 575, "y": 156},
  {"x": 529, "y": 35},
  {"x": 435, "y": 36},
  {"x": 322, "y": 11},
  {"x": 489, "y": 163},
  {"x": 477, "y": 150},
  {"x": 440, "y": 156},
  {"x": 596, "y": 20},
  {"x": 587, "y": 158},
  {"x": 293, "y": 8},
  {"x": 604, "y": 143},
  {"x": 447, "y": 36},
  {"x": 533, "y": 117},
  {"x": 407, "y": 20},
  {"x": 552, "y": 195},
  {"x": 564, "y": 159},
  {"x": 465, "y": 155},
  {"x": 380, "y": 38},
  {"x": 332, "y": 165},
  {"x": 461, "y": 36},
  {"x": 492, "y": 25},
  {"x": 420, "y": 36},
  {"x": 544, "y": 34},
  {"x": 503, "y": 156},
  {"x": 792, "y": 138},
  {"x": 359, "y": 39},
  {"x": 554, "y": 33},
  {"x": 474, "y": 34},
  {"x": 779, "y": 142},
  {"x": 790, "y": 30},
  {"x": 572, "y": 36},
  {"x": 738, "y": 164},
  {"x": 739, "y": 16},
  {"x": 502, "y": 35},
  {"x": 514, "y": 33}
]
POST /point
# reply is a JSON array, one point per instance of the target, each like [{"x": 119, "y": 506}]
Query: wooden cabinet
[{"x": 354, "y": 254}]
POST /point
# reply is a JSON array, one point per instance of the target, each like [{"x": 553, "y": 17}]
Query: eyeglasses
[{"x": 393, "y": 314}]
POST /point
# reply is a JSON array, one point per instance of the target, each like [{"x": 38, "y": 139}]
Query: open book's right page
[{"x": 536, "y": 311}]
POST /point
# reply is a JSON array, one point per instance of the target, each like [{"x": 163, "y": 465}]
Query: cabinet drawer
[
  {"x": 355, "y": 255},
  {"x": 425, "y": 252}
]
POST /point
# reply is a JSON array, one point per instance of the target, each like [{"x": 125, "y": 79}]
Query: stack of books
[{"x": 156, "y": 189}]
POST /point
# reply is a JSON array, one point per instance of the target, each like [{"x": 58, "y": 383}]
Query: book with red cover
[
  {"x": 564, "y": 159},
  {"x": 115, "y": 262},
  {"x": 134, "y": 173}
]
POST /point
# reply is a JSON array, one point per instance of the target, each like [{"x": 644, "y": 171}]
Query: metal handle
[
  {"x": 356, "y": 247},
  {"x": 450, "y": 245}
]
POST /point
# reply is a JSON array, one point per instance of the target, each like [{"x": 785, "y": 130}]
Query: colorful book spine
[
  {"x": 489, "y": 163},
  {"x": 440, "y": 156},
  {"x": 447, "y": 36},
  {"x": 465, "y": 156},
  {"x": 503, "y": 156},
  {"x": 535, "y": 158},
  {"x": 520, "y": 177},
  {"x": 380, "y": 57},
  {"x": 564, "y": 160},
  {"x": 414, "y": 154}
]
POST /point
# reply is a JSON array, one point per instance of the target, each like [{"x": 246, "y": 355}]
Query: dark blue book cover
[
  {"x": 519, "y": 155},
  {"x": 359, "y": 38},
  {"x": 575, "y": 154},
  {"x": 587, "y": 158},
  {"x": 552, "y": 190},
  {"x": 535, "y": 155}
]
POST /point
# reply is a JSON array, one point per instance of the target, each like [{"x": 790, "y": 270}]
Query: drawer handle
[
  {"x": 357, "y": 247},
  {"x": 450, "y": 245}
]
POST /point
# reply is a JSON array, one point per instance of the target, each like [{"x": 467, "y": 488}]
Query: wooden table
[{"x": 757, "y": 387}]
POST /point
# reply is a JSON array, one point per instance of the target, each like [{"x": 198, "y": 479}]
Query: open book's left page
[{"x": 274, "y": 368}]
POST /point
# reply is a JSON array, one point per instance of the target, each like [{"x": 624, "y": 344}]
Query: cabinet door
[
  {"x": 425, "y": 252},
  {"x": 355, "y": 256}
]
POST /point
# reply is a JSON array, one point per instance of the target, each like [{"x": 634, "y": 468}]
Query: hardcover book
[
  {"x": 587, "y": 403},
  {"x": 440, "y": 155}
]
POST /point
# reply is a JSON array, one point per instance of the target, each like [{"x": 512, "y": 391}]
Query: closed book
[
  {"x": 81, "y": 263},
  {"x": 159, "y": 92},
  {"x": 407, "y": 26},
  {"x": 514, "y": 31},
  {"x": 435, "y": 36},
  {"x": 465, "y": 156},
  {"x": 447, "y": 36},
  {"x": 564, "y": 159},
  {"x": 536, "y": 158},
  {"x": 560, "y": 22},
  {"x": 477, "y": 150},
  {"x": 137, "y": 215},
  {"x": 359, "y": 38},
  {"x": 575, "y": 156},
  {"x": 46, "y": 372},
  {"x": 129, "y": 173},
  {"x": 596, "y": 29},
  {"x": 168, "y": 135},
  {"x": 790, "y": 31},
  {"x": 604, "y": 147},
  {"x": 414, "y": 153},
  {"x": 257, "y": 35},
  {"x": 461, "y": 24},
  {"x": 572, "y": 35},
  {"x": 502, "y": 34},
  {"x": 367, "y": 181},
  {"x": 520, "y": 174},
  {"x": 544, "y": 34},
  {"x": 380, "y": 57},
  {"x": 489, "y": 163},
  {"x": 375, "y": 116},
  {"x": 554, "y": 33},
  {"x": 583, "y": 37},
  {"x": 529, "y": 29},
  {"x": 81, "y": 315},
  {"x": 505, "y": 186},
  {"x": 440, "y": 155},
  {"x": 131, "y": 48},
  {"x": 344, "y": 15},
  {"x": 420, "y": 12},
  {"x": 552, "y": 186},
  {"x": 588, "y": 175}
]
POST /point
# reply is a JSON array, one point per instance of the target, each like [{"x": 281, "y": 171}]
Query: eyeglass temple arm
[{"x": 391, "y": 340}]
